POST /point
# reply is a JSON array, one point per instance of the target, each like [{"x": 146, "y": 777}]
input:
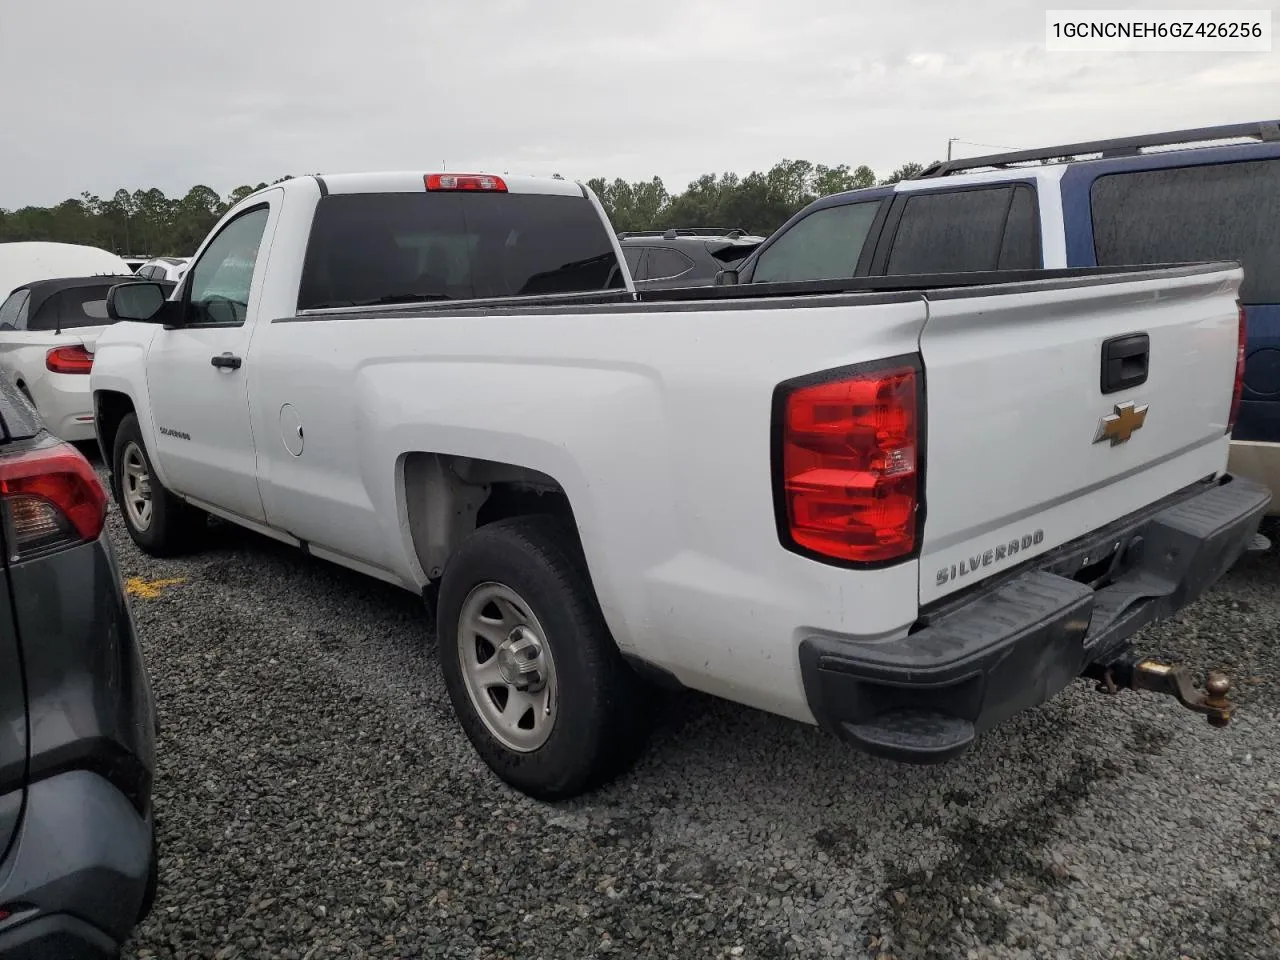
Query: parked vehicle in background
[
  {"x": 1189, "y": 195},
  {"x": 28, "y": 260},
  {"x": 683, "y": 257},
  {"x": 773, "y": 493},
  {"x": 77, "y": 727},
  {"x": 47, "y": 332},
  {"x": 164, "y": 268}
]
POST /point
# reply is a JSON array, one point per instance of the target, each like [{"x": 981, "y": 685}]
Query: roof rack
[
  {"x": 729, "y": 233},
  {"x": 1266, "y": 131}
]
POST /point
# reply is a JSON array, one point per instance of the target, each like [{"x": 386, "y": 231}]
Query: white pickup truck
[{"x": 902, "y": 508}]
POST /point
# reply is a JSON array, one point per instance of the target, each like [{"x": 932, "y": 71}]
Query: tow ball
[{"x": 1145, "y": 673}]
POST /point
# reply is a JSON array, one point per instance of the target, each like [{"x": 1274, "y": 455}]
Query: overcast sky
[{"x": 96, "y": 95}]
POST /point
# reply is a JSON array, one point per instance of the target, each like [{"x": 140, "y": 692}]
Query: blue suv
[{"x": 1189, "y": 195}]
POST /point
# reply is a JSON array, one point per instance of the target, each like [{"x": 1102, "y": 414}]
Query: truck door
[{"x": 196, "y": 373}]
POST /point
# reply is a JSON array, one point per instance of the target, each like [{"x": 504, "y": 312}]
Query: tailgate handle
[{"x": 1125, "y": 361}]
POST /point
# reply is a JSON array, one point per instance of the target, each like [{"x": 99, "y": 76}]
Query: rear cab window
[
  {"x": 385, "y": 248},
  {"x": 964, "y": 230}
]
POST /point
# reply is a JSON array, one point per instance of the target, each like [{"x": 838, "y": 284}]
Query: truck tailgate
[{"x": 1025, "y": 451}]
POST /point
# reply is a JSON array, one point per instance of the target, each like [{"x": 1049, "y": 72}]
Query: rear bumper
[
  {"x": 82, "y": 862},
  {"x": 65, "y": 404},
  {"x": 1259, "y": 462},
  {"x": 975, "y": 661},
  {"x": 81, "y": 859}
]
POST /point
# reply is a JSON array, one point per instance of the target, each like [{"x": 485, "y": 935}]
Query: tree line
[{"x": 146, "y": 222}]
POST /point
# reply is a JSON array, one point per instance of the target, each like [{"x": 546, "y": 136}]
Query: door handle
[
  {"x": 1125, "y": 362},
  {"x": 226, "y": 361}
]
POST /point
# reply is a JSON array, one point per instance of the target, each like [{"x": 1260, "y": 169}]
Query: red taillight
[
  {"x": 465, "y": 181},
  {"x": 74, "y": 359},
  {"x": 849, "y": 462},
  {"x": 50, "y": 498},
  {"x": 1238, "y": 390}
]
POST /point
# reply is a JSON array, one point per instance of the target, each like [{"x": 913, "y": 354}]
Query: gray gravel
[{"x": 316, "y": 799}]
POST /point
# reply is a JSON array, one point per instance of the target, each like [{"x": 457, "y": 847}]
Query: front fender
[{"x": 120, "y": 366}]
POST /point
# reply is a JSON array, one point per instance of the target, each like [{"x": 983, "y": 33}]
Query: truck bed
[{"x": 890, "y": 289}]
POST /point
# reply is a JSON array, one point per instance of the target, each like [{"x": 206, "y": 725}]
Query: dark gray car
[
  {"x": 77, "y": 721},
  {"x": 664, "y": 259}
]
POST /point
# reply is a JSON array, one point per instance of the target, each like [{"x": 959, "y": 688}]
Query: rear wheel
[
  {"x": 159, "y": 523},
  {"x": 535, "y": 678}
]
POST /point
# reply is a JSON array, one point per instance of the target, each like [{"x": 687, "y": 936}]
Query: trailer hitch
[{"x": 1133, "y": 672}]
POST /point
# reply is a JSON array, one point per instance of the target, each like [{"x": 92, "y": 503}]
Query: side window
[
  {"x": 146, "y": 272},
  {"x": 954, "y": 232},
  {"x": 666, "y": 264},
  {"x": 221, "y": 278},
  {"x": 1020, "y": 249},
  {"x": 633, "y": 256},
  {"x": 1226, "y": 211},
  {"x": 13, "y": 312},
  {"x": 823, "y": 246},
  {"x": 72, "y": 307}
]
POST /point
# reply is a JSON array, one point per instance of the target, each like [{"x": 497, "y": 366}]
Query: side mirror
[
  {"x": 727, "y": 277},
  {"x": 142, "y": 302}
]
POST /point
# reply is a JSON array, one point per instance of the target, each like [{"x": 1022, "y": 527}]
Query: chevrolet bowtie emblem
[{"x": 1119, "y": 426}]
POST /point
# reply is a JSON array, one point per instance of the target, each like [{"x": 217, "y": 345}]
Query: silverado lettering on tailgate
[{"x": 987, "y": 557}]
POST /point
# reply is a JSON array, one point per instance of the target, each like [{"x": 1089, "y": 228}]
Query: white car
[
  {"x": 171, "y": 269},
  {"x": 902, "y": 509},
  {"x": 47, "y": 333}
]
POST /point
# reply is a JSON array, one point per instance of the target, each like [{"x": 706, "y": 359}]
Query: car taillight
[
  {"x": 1238, "y": 390},
  {"x": 465, "y": 181},
  {"x": 74, "y": 359},
  {"x": 50, "y": 498},
  {"x": 847, "y": 462}
]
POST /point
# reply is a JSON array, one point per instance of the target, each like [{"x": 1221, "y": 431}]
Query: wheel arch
[
  {"x": 447, "y": 497},
  {"x": 110, "y": 407}
]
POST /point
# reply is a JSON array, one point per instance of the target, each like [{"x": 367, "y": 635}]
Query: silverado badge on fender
[{"x": 1120, "y": 425}]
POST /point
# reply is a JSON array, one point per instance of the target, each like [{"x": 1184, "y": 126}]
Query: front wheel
[
  {"x": 160, "y": 523},
  {"x": 535, "y": 678}
]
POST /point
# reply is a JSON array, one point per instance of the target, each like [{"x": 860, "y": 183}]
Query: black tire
[
  {"x": 175, "y": 527},
  {"x": 603, "y": 709}
]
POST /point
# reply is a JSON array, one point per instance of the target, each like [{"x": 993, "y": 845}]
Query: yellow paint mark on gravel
[{"x": 150, "y": 589}]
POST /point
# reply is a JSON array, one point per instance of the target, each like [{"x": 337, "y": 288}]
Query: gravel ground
[{"x": 316, "y": 799}]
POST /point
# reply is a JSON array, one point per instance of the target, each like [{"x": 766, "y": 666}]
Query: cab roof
[{"x": 411, "y": 181}]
